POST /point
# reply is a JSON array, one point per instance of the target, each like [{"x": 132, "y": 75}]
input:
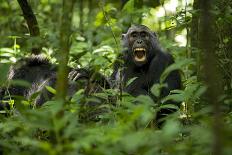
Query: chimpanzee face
[{"x": 140, "y": 42}]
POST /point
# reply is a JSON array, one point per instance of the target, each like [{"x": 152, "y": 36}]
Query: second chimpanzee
[
  {"x": 144, "y": 59},
  {"x": 38, "y": 72}
]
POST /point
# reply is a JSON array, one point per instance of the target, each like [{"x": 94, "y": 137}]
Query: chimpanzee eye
[
  {"x": 143, "y": 34},
  {"x": 134, "y": 35}
]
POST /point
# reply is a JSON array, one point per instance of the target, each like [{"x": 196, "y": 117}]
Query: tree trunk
[
  {"x": 194, "y": 25},
  {"x": 194, "y": 36},
  {"x": 211, "y": 74}
]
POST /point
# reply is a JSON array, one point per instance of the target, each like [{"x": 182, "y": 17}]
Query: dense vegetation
[{"x": 86, "y": 34}]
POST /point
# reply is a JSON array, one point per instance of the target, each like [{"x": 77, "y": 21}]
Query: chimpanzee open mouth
[{"x": 140, "y": 54}]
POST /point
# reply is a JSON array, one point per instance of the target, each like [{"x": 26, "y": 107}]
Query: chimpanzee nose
[{"x": 139, "y": 41}]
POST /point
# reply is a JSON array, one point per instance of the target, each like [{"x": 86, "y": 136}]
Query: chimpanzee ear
[{"x": 123, "y": 36}]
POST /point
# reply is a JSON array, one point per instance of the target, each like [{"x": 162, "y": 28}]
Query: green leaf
[
  {"x": 93, "y": 99},
  {"x": 53, "y": 106},
  {"x": 145, "y": 99},
  {"x": 78, "y": 96},
  {"x": 101, "y": 95},
  {"x": 170, "y": 130},
  {"x": 129, "y": 6},
  {"x": 176, "y": 66},
  {"x": 4, "y": 69},
  {"x": 50, "y": 89},
  {"x": 22, "y": 83},
  {"x": 174, "y": 97},
  {"x": 130, "y": 81},
  {"x": 156, "y": 89},
  {"x": 168, "y": 106},
  {"x": 6, "y": 50}
]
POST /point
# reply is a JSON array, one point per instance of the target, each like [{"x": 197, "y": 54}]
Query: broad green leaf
[
  {"x": 129, "y": 6},
  {"x": 50, "y": 89},
  {"x": 78, "y": 96},
  {"x": 170, "y": 130},
  {"x": 4, "y": 69},
  {"x": 176, "y": 66},
  {"x": 156, "y": 89},
  {"x": 145, "y": 99},
  {"x": 22, "y": 83},
  {"x": 168, "y": 106},
  {"x": 174, "y": 97},
  {"x": 130, "y": 81}
]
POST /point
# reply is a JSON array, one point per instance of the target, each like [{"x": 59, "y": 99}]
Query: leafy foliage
[{"x": 123, "y": 124}]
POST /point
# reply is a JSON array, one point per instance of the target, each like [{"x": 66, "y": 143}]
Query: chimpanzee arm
[
  {"x": 137, "y": 88},
  {"x": 173, "y": 80}
]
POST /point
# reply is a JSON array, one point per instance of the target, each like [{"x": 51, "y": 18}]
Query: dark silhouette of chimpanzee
[
  {"x": 144, "y": 59},
  {"x": 39, "y": 72}
]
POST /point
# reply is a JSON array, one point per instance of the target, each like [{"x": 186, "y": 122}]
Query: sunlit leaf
[
  {"x": 131, "y": 80},
  {"x": 50, "y": 89},
  {"x": 129, "y": 6}
]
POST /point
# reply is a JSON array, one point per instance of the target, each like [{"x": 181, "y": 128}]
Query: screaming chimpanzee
[{"x": 144, "y": 59}]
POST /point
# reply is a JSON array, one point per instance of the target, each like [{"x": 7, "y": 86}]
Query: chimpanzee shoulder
[
  {"x": 37, "y": 60},
  {"x": 33, "y": 69}
]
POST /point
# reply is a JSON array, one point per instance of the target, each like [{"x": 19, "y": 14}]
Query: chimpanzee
[
  {"x": 144, "y": 59},
  {"x": 39, "y": 72}
]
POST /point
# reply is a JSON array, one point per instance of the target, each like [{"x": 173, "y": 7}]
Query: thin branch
[
  {"x": 32, "y": 23},
  {"x": 115, "y": 40},
  {"x": 109, "y": 23}
]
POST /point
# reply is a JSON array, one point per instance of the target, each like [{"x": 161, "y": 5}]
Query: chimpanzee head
[{"x": 140, "y": 43}]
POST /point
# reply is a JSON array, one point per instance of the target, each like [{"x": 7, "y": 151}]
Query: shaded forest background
[{"x": 86, "y": 34}]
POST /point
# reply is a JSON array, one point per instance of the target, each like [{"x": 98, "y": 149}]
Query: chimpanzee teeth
[{"x": 139, "y": 49}]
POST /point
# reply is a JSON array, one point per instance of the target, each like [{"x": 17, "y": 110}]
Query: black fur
[
  {"x": 39, "y": 72},
  {"x": 148, "y": 72}
]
